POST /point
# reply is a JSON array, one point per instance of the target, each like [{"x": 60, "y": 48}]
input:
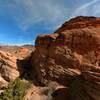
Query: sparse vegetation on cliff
[{"x": 14, "y": 91}]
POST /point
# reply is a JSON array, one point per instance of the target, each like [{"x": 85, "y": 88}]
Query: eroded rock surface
[
  {"x": 8, "y": 68},
  {"x": 11, "y": 65},
  {"x": 71, "y": 56}
]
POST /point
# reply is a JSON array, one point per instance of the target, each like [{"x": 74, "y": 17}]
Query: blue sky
[{"x": 22, "y": 20}]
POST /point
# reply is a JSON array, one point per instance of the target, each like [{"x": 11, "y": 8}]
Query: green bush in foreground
[{"x": 14, "y": 91}]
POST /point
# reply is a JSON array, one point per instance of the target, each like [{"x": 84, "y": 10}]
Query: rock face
[
  {"x": 11, "y": 62},
  {"x": 19, "y": 51},
  {"x": 71, "y": 56},
  {"x": 8, "y": 68}
]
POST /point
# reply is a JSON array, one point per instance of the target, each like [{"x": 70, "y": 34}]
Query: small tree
[{"x": 14, "y": 91}]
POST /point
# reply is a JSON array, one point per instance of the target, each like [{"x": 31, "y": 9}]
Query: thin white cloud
[
  {"x": 30, "y": 12},
  {"x": 96, "y": 9},
  {"x": 83, "y": 10},
  {"x": 50, "y": 13}
]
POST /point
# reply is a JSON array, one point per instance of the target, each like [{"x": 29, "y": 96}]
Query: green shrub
[{"x": 14, "y": 91}]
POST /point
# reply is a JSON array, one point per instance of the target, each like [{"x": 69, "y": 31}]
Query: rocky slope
[
  {"x": 66, "y": 63},
  {"x": 10, "y": 56},
  {"x": 71, "y": 57},
  {"x": 19, "y": 51},
  {"x": 8, "y": 68}
]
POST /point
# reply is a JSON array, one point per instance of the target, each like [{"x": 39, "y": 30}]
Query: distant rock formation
[
  {"x": 19, "y": 51},
  {"x": 71, "y": 56}
]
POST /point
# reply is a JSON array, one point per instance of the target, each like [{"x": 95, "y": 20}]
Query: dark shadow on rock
[
  {"x": 75, "y": 90},
  {"x": 19, "y": 65},
  {"x": 60, "y": 94},
  {"x": 27, "y": 71}
]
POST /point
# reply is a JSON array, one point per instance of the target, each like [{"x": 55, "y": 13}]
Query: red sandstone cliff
[{"x": 71, "y": 57}]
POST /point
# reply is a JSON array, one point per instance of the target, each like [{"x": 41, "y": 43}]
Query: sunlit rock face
[
  {"x": 71, "y": 57},
  {"x": 8, "y": 68},
  {"x": 11, "y": 65}
]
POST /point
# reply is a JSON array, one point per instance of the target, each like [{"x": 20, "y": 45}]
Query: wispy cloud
[
  {"x": 84, "y": 9},
  {"x": 30, "y": 12},
  {"x": 50, "y": 13}
]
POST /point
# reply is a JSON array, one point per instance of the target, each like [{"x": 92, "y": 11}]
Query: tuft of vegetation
[{"x": 14, "y": 91}]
